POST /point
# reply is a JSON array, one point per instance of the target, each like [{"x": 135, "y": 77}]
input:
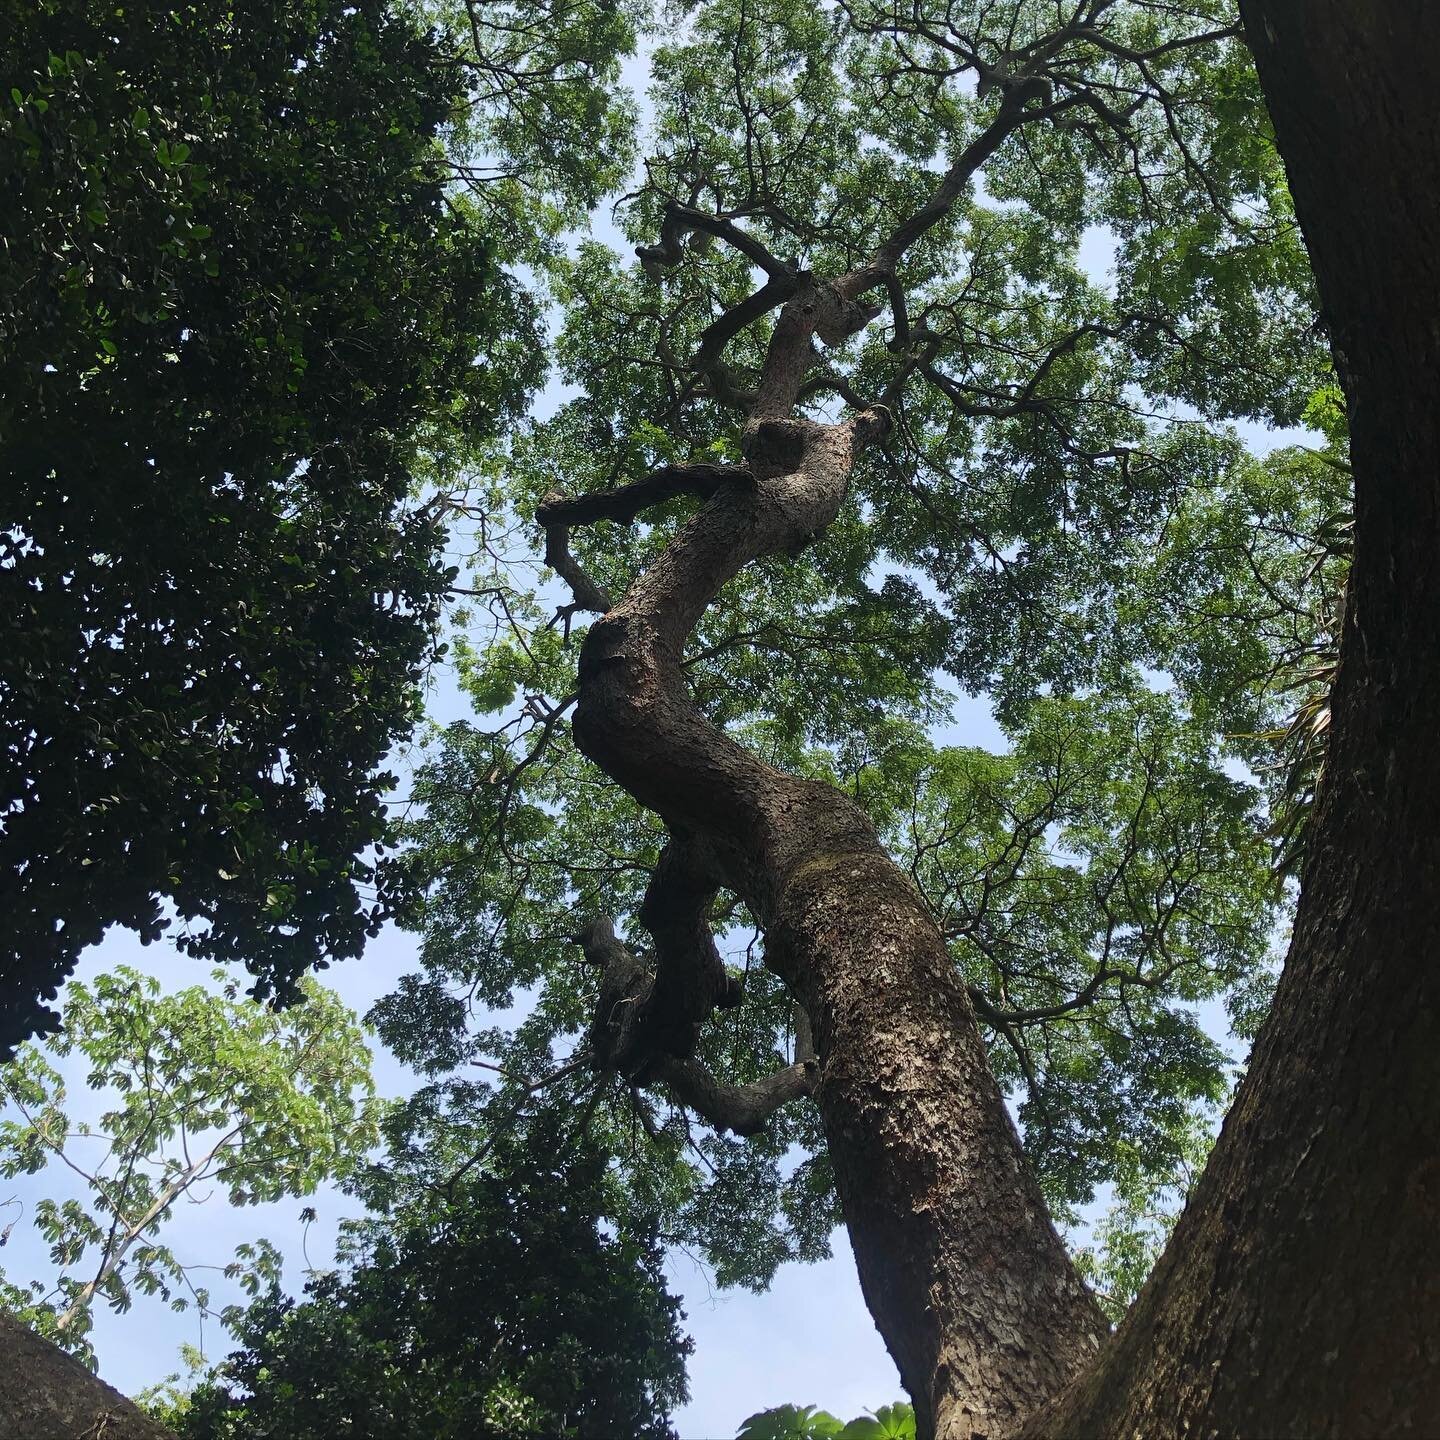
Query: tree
[
  {"x": 247, "y": 312},
  {"x": 987, "y": 438},
  {"x": 208, "y": 1090},
  {"x": 502, "y": 1308},
  {"x": 988, "y": 434}
]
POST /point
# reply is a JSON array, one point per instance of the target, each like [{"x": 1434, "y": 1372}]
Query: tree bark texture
[
  {"x": 1300, "y": 1295},
  {"x": 958, "y": 1258},
  {"x": 46, "y": 1394}
]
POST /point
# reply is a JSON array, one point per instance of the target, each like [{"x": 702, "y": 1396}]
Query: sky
[{"x": 808, "y": 1340}]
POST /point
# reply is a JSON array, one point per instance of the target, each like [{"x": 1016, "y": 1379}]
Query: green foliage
[
  {"x": 546, "y": 129},
  {"x": 1245, "y": 599},
  {"x": 1060, "y": 520},
  {"x": 245, "y": 308},
  {"x": 500, "y": 1308},
  {"x": 1097, "y": 884},
  {"x": 1150, "y": 1192},
  {"x": 209, "y": 428},
  {"x": 204, "y": 1091},
  {"x": 805, "y": 1422},
  {"x": 168, "y": 1401}
]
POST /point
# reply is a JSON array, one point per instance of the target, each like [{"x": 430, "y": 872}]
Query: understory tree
[
  {"x": 204, "y": 1092},
  {"x": 500, "y": 1307}
]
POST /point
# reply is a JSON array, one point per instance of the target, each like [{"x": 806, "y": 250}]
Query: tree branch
[
  {"x": 624, "y": 504},
  {"x": 682, "y": 220},
  {"x": 744, "y": 1109}
]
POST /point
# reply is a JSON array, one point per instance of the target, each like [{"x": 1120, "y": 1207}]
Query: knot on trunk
[
  {"x": 836, "y": 318},
  {"x": 779, "y": 447}
]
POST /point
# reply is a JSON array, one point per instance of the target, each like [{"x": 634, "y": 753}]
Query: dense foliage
[
  {"x": 204, "y": 1091},
  {"x": 1061, "y": 521},
  {"x": 504, "y": 1308},
  {"x": 237, "y": 304}
]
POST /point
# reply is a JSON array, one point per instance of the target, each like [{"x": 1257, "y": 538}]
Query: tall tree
[
  {"x": 1301, "y": 1291},
  {"x": 988, "y": 436}
]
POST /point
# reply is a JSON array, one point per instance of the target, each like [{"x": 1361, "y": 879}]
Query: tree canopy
[
  {"x": 852, "y": 422},
  {"x": 246, "y": 314},
  {"x": 1058, "y": 516}
]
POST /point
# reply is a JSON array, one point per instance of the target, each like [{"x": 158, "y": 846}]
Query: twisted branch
[{"x": 646, "y": 1022}]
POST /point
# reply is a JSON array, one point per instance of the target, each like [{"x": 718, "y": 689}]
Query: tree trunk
[
  {"x": 46, "y": 1394},
  {"x": 958, "y": 1259},
  {"x": 1300, "y": 1295}
]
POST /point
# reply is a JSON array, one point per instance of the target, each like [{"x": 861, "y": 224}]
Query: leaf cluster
[
  {"x": 503, "y": 1309},
  {"x": 806, "y": 1422}
]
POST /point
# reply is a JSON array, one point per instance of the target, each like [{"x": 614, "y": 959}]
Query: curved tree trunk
[
  {"x": 958, "y": 1259},
  {"x": 1300, "y": 1295}
]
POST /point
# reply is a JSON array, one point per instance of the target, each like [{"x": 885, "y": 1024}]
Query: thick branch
[
  {"x": 745, "y": 1109},
  {"x": 682, "y": 220},
  {"x": 721, "y": 331},
  {"x": 646, "y": 1024},
  {"x": 589, "y": 595},
  {"x": 623, "y": 505},
  {"x": 557, "y": 515},
  {"x": 951, "y": 187},
  {"x": 644, "y": 1015},
  {"x": 690, "y": 977}
]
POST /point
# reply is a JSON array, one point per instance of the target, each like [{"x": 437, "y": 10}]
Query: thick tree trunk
[
  {"x": 1300, "y": 1295},
  {"x": 958, "y": 1258},
  {"x": 46, "y": 1394}
]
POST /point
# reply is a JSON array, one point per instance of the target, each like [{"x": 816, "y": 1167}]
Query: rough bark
[
  {"x": 46, "y": 1394},
  {"x": 957, "y": 1255},
  {"x": 1300, "y": 1295}
]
